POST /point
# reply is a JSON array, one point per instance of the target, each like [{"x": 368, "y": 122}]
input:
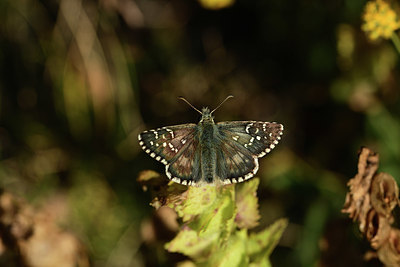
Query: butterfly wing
[
  {"x": 242, "y": 143},
  {"x": 234, "y": 163},
  {"x": 185, "y": 168},
  {"x": 237, "y": 145},
  {"x": 175, "y": 147}
]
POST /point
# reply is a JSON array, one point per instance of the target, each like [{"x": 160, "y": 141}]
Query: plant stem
[{"x": 396, "y": 41}]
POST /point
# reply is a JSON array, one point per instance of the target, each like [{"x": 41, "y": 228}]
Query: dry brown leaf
[
  {"x": 377, "y": 229},
  {"x": 371, "y": 200},
  {"x": 384, "y": 194},
  {"x": 358, "y": 201},
  {"x": 389, "y": 253}
]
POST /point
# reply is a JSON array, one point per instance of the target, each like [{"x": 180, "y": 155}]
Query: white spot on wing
[
  {"x": 248, "y": 127},
  {"x": 155, "y": 134},
  {"x": 227, "y": 181},
  {"x": 248, "y": 176},
  {"x": 167, "y": 172},
  {"x": 176, "y": 180},
  {"x": 171, "y": 132},
  {"x": 255, "y": 170}
]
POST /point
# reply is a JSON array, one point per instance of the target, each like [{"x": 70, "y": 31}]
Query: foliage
[{"x": 215, "y": 224}]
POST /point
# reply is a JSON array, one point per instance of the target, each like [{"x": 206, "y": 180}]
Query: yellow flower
[
  {"x": 379, "y": 20},
  {"x": 216, "y": 4}
]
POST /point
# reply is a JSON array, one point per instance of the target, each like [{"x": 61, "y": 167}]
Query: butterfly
[{"x": 209, "y": 152}]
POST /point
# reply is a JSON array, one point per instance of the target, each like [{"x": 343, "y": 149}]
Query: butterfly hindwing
[
  {"x": 185, "y": 169},
  {"x": 176, "y": 147},
  {"x": 242, "y": 143},
  {"x": 235, "y": 163}
]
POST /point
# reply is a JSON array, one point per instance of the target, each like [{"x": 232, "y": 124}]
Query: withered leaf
[
  {"x": 377, "y": 229},
  {"x": 358, "y": 201},
  {"x": 389, "y": 253},
  {"x": 384, "y": 194}
]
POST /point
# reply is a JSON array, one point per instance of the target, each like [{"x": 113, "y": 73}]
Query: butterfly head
[{"x": 206, "y": 116}]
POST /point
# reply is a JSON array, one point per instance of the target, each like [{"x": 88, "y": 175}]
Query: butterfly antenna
[
  {"x": 229, "y": 96},
  {"x": 181, "y": 98}
]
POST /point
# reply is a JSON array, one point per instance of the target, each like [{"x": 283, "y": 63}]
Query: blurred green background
[{"x": 80, "y": 79}]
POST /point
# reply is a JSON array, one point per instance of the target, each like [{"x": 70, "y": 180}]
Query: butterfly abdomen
[{"x": 208, "y": 152}]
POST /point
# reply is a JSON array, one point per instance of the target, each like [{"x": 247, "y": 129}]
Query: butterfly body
[
  {"x": 208, "y": 133},
  {"x": 209, "y": 152}
]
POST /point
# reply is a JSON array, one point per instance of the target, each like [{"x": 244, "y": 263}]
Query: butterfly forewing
[
  {"x": 164, "y": 144},
  {"x": 257, "y": 137}
]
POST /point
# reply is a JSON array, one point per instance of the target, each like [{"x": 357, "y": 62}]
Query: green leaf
[
  {"x": 188, "y": 242},
  {"x": 219, "y": 217},
  {"x": 232, "y": 254},
  {"x": 211, "y": 229},
  {"x": 247, "y": 205},
  {"x": 263, "y": 263},
  {"x": 199, "y": 200},
  {"x": 260, "y": 245}
]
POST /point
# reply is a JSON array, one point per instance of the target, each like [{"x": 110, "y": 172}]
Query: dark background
[{"x": 80, "y": 79}]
